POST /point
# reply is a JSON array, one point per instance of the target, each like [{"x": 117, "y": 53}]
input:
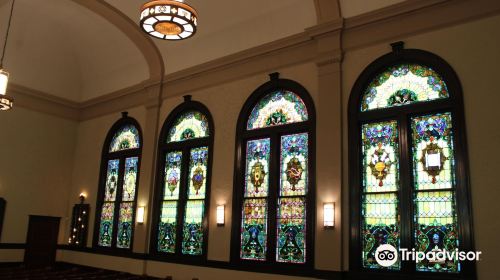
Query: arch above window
[
  {"x": 277, "y": 108},
  {"x": 126, "y": 138},
  {"x": 403, "y": 84},
  {"x": 190, "y": 125}
]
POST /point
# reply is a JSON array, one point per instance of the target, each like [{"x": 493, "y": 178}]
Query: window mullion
[
  {"x": 272, "y": 199},
  {"x": 405, "y": 191},
  {"x": 182, "y": 202}
]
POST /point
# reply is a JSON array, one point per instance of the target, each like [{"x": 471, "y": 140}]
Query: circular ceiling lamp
[{"x": 169, "y": 19}]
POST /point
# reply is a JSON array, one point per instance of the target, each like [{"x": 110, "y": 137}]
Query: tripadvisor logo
[{"x": 387, "y": 255}]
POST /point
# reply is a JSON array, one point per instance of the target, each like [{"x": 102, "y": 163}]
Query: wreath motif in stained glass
[
  {"x": 257, "y": 175},
  {"x": 190, "y": 125},
  {"x": 403, "y": 84},
  {"x": 125, "y": 139},
  {"x": 432, "y": 129},
  {"x": 278, "y": 108}
]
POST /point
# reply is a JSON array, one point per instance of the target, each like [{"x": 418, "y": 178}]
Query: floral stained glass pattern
[
  {"x": 125, "y": 225},
  {"x": 167, "y": 231},
  {"x": 434, "y": 173},
  {"x": 254, "y": 230},
  {"x": 106, "y": 225},
  {"x": 192, "y": 240},
  {"x": 294, "y": 164},
  {"x": 172, "y": 175},
  {"x": 257, "y": 168},
  {"x": 380, "y": 160},
  {"x": 278, "y": 108},
  {"x": 190, "y": 125},
  {"x": 404, "y": 84},
  {"x": 197, "y": 181},
  {"x": 111, "y": 180},
  {"x": 291, "y": 230},
  {"x": 125, "y": 139},
  {"x": 130, "y": 179}
]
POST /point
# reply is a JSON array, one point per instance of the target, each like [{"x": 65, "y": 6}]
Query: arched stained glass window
[
  {"x": 181, "y": 209},
  {"x": 278, "y": 108},
  {"x": 117, "y": 197},
  {"x": 274, "y": 191},
  {"x": 408, "y": 176},
  {"x": 403, "y": 84},
  {"x": 190, "y": 125}
]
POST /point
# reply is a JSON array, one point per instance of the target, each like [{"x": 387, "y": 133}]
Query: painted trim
[{"x": 12, "y": 246}]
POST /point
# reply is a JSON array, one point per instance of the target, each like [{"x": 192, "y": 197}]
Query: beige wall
[
  {"x": 472, "y": 50},
  {"x": 35, "y": 170}
]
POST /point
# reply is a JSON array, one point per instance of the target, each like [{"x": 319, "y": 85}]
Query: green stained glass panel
[
  {"x": 125, "y": 225},
  {"x": 380, "y": 156},
  {"x": 254, "y": 230},
  {"x": 125, "y": 139},
  {"x": 277, "y": 108},
  {"x": 130, "y": 179},
  {"x": 433, "y": 152},
  {"x": 192, "y": 239},
  {"x": 294, "y": 164},
  {"x": 190, "y": 125},
  {"x": 197, "y": 181},
  {"x": 291, "y": 230},
  {"x": 111, "y": 180},
  {"x": 380, "y": 226},
  {"x": 106, "y": 224},
  {"x": 167, "y": 230},
  {"x": 173, "y": 164},
  {"x": 257, "y": 168},
  {"x": 403, "y": 84},
  {"x": 436, "y": 225}
]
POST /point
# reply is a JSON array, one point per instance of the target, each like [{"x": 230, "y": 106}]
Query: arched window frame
[
  {"x": 274, "y": 133},
  {"x": 184, "y": 146},
  {"x": 454, "y": 104},
  {"x": 122, "y": 155}
]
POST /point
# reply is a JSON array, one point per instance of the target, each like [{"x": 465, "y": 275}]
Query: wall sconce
[
  {"x": 82, "y": 197},
  {"x": 329, "y": 215},
  {"x": 220, "y": 215},
  {"x": 140, "y": 214}
]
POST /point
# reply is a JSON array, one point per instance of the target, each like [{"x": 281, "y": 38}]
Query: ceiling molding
[
  {"x": 130, "y": 29},
  {"x": 43, "y": 102},
  {"x": 317, "y": 44},
  {"x": 327, "y": 10}
]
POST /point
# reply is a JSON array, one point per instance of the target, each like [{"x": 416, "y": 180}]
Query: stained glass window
[
  {"x": 192, "y": 239},
  {"x": 434, "y": 172},
  {"x": 190, "y": 125},
  {"x": 406, "y": 172},
  {"x": 116, "y": 206},
  {"x": 125, "y": 139},
  {"x": 274, "y": 185},
  {"x": 181, "y": 229},
  {"x": 278, "y": 108},
  {"x": 380, "y": 224},
  {"x": 404, "y": 84}
]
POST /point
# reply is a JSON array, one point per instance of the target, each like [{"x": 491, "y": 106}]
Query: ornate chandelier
[
  {"x": 6, "y": 102},
  {"x": 169, "y": 19}
]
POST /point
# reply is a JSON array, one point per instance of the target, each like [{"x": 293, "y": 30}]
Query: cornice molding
[{"x": 322, "y": 44}]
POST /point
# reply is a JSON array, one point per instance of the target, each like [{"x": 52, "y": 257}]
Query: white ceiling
[{"x": 67, "y": 50}]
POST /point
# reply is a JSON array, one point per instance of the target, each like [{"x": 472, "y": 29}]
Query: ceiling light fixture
[
  {"x": 169, "y": 19},
  {"x": 6, "y": 102}
]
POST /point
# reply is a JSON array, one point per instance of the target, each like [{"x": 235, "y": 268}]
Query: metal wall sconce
[{"x": 329, "y": 215}]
